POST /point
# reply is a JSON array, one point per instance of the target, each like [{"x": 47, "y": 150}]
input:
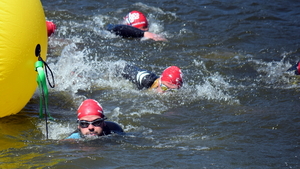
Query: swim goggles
[
  {"x": 96, "y": 123},
  {"x": 165, "y": 88}
]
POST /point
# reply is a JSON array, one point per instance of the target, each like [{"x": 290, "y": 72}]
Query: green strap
[{"x": 41, "y": 80}]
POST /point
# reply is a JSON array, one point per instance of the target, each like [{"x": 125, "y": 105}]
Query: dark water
[{"x": 239, "y": 108}]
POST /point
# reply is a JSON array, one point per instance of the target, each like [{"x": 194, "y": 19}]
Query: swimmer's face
[
  {"x": 165, "y": 86},
  {"x": 91, "y": 126}
]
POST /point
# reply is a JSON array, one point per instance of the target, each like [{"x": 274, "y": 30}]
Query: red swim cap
[
  {"x": 173, "y": 75},
  {"x": 90, "y": 107},
  {"x": 136, "y": 19},
  {"x": 298, "y": 68},
  {"x": 50, "y": 27}
]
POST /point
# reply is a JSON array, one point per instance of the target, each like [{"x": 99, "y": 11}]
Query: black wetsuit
[
  {"x": 125, "y": 31},
  {"x": 142, "y": 78},
  {"x": 111, "y": 127}
]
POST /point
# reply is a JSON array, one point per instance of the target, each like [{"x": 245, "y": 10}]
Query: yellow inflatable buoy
[{"x": 22, "y": 28}]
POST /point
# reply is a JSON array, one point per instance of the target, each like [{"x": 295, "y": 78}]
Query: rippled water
[{"x": 239, "y": 108}]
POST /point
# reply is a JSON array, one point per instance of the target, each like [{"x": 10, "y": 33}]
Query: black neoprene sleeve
[
  {"x": 142, "y": 78},
  {"x": 125, "y": 31}
]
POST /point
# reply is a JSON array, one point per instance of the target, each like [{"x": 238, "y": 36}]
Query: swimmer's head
[
  {"x": 90, "y": 107},
  {"x": 137, "y": 19},
  {"x": 50, "y": 28},
  {"x": 173, "y": 75}
]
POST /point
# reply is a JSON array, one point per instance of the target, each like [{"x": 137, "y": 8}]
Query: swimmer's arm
[
  {"x": 154, "y": 36},
  {"x": 126, "y": 31},
  {"x": 140, "y": 77}
]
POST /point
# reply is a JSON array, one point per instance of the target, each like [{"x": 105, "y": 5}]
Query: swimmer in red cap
[
  {"x": 171, "y": 78},
  {"x": 296, "y": 68},
  {"x": 137, "y": 19},
  {"x": 50, "y": 28},
  {"x": 136, "y": 27},
  {"x": 91, "y": 122}
]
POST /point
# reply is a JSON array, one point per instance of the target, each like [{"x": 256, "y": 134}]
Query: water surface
[{"x": 239, "y": 108}]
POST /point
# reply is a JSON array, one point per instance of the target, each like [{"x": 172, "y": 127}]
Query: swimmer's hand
[{"x": 154, "y": 36}]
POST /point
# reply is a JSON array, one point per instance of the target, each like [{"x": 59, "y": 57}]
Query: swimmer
[
  {"x": 91, "y": 122},
  {"x": 171, "y": 78},
  {"x": 136, "y": 27},
  {"x": 51, "y": 27}
]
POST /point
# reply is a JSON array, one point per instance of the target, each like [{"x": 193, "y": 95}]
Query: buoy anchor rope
[{"x": 41, "y": 80}]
